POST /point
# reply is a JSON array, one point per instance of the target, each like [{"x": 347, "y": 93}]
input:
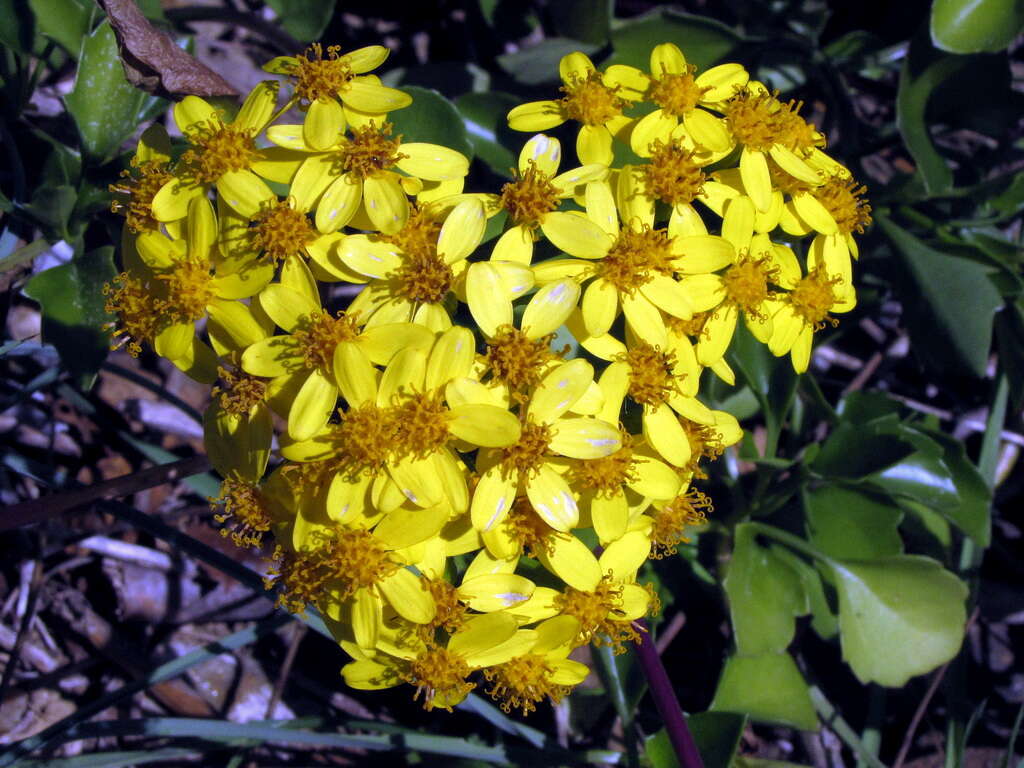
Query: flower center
[
  {"x": 282, "y": 231},
  {"x": 528, "y": 454},
  {"x": 141, "y": 314},
  {"x": 524, "y": 681},
  {"x": 606, "y": 475},
  {"x": 320, "y": 78},
  {"x": 139, "y": 189},
  {"x": 219, "y": 149},
  {"x": 243, "y": 505},
  {"x": 320, "y": 336},
  {"x": 423, "y": 278},
  {"x": 189, "y": 290},
  {"x": 240, "y": 392},
  {"x": 370, "y": 150},
  {"x": 651, "y": 379},
  {"x": 526, "y": 527},
  {"x": 529, "y": 197},
  {"x": 705, "y": 443},
  {"x": 440, "y": 676},
  {"x": 692, "y": 327},
  {"x": 589, "y": 101},
  {"x": 844, "y": 200},
  {"x": 596, "y": 612},
  {"x": 421, "y": 423},
  {"x": 677, "y": 94},
  {"x": 760, "y": 120},
  {"x": 367, "y": 434},
  {"x": 451, "y": 611},
  {"x": 634, "y": 257},
  {"x": 517, "y": 360},
  {"x": 746, "y": 284},
  {"x": 671, "y": 522},
  {"x": 813, "y": 298},
  {"x": 672, "y": 176}
]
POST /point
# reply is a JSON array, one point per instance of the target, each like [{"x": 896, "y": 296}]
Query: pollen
[
  {"x": 525, "y": 526},
  {"x": 677, "y": 94},
  {"x": 135, "y": 191},
  {"x": 529, "y": 196},
  {"x": 813, "y": 298},
  {"x": 746, "y": 284},
  {"x": 522, "y": 682},
  {"x": 673, "y": 520},
  {"x": 606, "y": 475},
  {"x": 281, "y": 231},
  {"x": 753, "y": 119},
  {"x": 589, "y": 101},
  {"x": 320, "y": 336},
  {"x": 672, "y": 175},
  {"x": 370, "y": 150},
  {"x": 244, "y": 513},
  {"x": 367, "y": 436},
  {"x": 189, "y": 290},
  {"x": 421, "y": 424},
  {"x": 423, "y": 278},
  {"x": 844, "y": 200},
  {"x": 438, "y": 673},
  {"x": 691, "y": 327},
  {"x": 219, "y": 150},
  {"x": 515, "y": 359},
  {"x": 635, "y": 258},
  {"x": 530, "y": 452},
  {"x": 240, "y": 392},
  {"x": 320, "y": 78},
  {"x": 140, "y": 314},
  {"x": 596, "y": 612},
  {"x": 451, "y": 611},
  {"x": 705, "y": 443},
  {"x": 651, "y": 379}
]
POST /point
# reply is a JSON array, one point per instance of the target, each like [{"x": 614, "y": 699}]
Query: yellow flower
[
  {"x": 320, "y": 83},
  {"x": 359, "y": 174},
  {"x": 590, "y": 98},
  {"x": 805, "y": 309},
  {"x": 671, "y": 521},
  {"x": 150, "y": 170},
  {"x": 237, "y": 426}
]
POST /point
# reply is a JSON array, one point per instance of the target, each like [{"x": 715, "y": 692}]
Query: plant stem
[{"x": 665, "y": 700}]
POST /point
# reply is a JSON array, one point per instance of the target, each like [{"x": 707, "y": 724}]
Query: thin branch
[
  {"x": 298, "y": 632},
  {"x": 276, "y": 37},
  {"x": 34, "y": 583}
]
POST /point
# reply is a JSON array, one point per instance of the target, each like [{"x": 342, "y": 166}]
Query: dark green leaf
[
  {"x": 702, "y": 40},
  {"x": 975, "y": 26},
  {"x": 765, "y": 595},
  {"x": 106, "y": 108},
  {"x": 851, "y": 524},
  {"x": 952, "y": 321},
  {"x": 72, "y": 299},
  {"x": 51, "y": 207},
  {"x": 970, "y": 513},
  {"x": 304, "y": 20},
  {"x": 17, "y": 25},
  {"x": 863, "y": 407},
  {"x": 770, "y": 378},
  {"x": 586, "y": 20},
  {"x": 65, "y": 21},
  {"x": 716, "y": 734},
  {"x": 922, "y": 477},
  {"x": 823, "y": 618},
  {"x": 538, "y": 64},
  {"x": 769, "y": 688},
  {"x": 898, "y": 616},
  {"x": 493, "y": 141},
  {"x": 431, "y": 118},
  {"x": 853, "y": 452}
]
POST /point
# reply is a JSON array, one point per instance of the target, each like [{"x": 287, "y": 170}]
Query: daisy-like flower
[
  {"x": 681, "y": 99},
  {"x": 439, "y": 672},
  {"x": 222, "y": 154},
  {"x": 360, "y": 173},
  {"x": 532, "y": 463},
  {"x": 591, "y": 99},
  {"x": 806, "y": 308},
  {"x": 532, "y": 199},
  {"x": 237, "y": 426},
  {"x": 150, "y": 170},
  {"x": 413, "y": 272},
  {"x": 334, "y": 91},
  {"x": 671, "y": 521},
  {"x": 544, "y": 672}
]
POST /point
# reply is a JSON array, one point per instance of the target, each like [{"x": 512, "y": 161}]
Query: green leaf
[
  {"x": 431, "y": 118},
  {"x": 975, "y": 26},
  {"x": 850, "y": 524},
  {"x": 771, "y": 379},
  {"x": 823, "y": 618},
  {"x": 304, "y": 20},
  {"x": 71, "y": 296},
  {"x": 17, "y": 26},
  {"x": 586, "y": 20},
  {"x": 898, "y": 617},
  {"x": 493, "y": 141},
  {"x": 538, "y": 64},
  {"x": 716, "y": 734},
  {"x": 106, "y": 108},
  {"x": 65, "y": 21},
  {"x": 702, "y": 40},
  {"x": 956, "y": 304},
  {"x": 769, "y": 688},
  {"x": 921, "y": 476},
  {"x": 854, "y": 452},
  {"x": 971, "y": 511},
  {"x": 764, "y": 596}
]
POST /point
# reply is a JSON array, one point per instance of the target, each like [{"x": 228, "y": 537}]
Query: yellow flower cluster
[{"x": 450, "y": 487}]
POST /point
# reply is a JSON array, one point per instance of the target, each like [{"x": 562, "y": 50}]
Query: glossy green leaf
[
  {"x": 847, "y": 523},
  {"x": 824, "y": 619},
  {"x": 769, "y": 688},
  {"x": 971, "y": 511},
  {"x": 304, "y": 20},
  {"x": 898, "y": 616},
  {"x": 716, "y": 734},
  {"x": 65, "y": 21},
  {"x": 765, "y": 595},
  {"x": 538, "y": 64},
  {"x": 975, "y": 26},
  {"x": 702, "y": 40},
  {"x": 106, "y": 108},
  {"x": 51, "y": 207},
  {"x": 952, "y": 324},
  {"x": 431, "y": 118},
  {"x": 484, "y": 115},
  {"x": 853, "y": 452},
  {"x": 72, "y": 299},
  {"x": 586, "y": 20},
  {"x": 17, "y": 25}
]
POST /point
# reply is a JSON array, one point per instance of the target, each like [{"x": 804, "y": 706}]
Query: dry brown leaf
[{"x": 154, "y": 63}]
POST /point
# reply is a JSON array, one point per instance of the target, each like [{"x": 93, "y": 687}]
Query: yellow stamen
[
  {"x": 844, "y": 200},
  {"x": 705, "y": 443},
  {"x": 597, "y": 613},
  {"x": 281, "y": 231},
  {"x": 651, "y": 377},
  {"x": 451, "y": 611},
  {"x": 529, "y": 196},
  {"x": 218, "y": 149},
  {"x": 370, "y": 150},
  {"x": 367, "y": 434},
  {"x": 320, "y": 78},
  {"x": 320, "y": 335},
  {"x": 608, "y": 474},
  {"x": 760, "y": 121},
  {"x": 517, "y": 360},
  {"x": 672, "y": 521},
  {"x": 141, "y": 314},
  {"x": 527, "y": 455},
  {"x": 135, "y": 191},
  {"x": 438, "y": 672},
  {"x": 677, "y": 94},
  {"x": 635, "y": 258},
  {"x": 421, "y": 424},
  {"x": 672, "y": 175},
  {"x": 813, "y": 298},
  {"x": 525, "y": 526},
  {"x": 189, "y": 290},
  {"x": 524, "y": 681},
  {"x": 243, "y": 505},
  {"x": 746, "y": 284},
  {"x": 240, "y": 392},
  {"x": 589, "y": 101}
]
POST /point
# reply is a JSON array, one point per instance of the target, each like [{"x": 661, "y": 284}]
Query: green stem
[
  {"x": 787, "y": 538},
  {"x": 831, "y": 717},
  {"x": 871, "y": 738}
]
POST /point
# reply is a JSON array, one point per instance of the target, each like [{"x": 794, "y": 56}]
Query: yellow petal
[
  {"x": 645, "y": 319},
  {"x": 405, "y": 592},
  {"x": 236, "y": 322},
  {"x": 668, "y": 295},
  {"x": 366, "y": 96},
  {"x": 171, "y": 202},
  {"x": 246, "y": 192},
  {"x": 708, "y": 131},
  {"x": 175, "y": 340},
  {"x": 271, "y": 357},
  {"x": 576, "y": 235},
  {"x": 814, "y": 213},
  {"x": 560, "y": 388},
  {"x": 257, "y": 108},
  {"x": 665, "y": 435},
  {"x": 622, "y": 558},
  {"x": 652, "y": 127},
  {"x": 609, "y": 515},
  {"x": 356, "y": 377},
  {"x": 495, "y": 592},
  {"x": 481, "y": 634},
  {"x": 601, "y": 207},
  {"x": 794, "y": 165},
  {"x": 311, "y": 180},
  {"x": 386, "y": 203},
  {"x": 549, "y": 308},
  {"x": 432, "y": 162},
  {"x": 487, "y": 298},
  {"x": 407, "y": 526},
  {"x": 339, "y": 203},
  {"x": 584, "y": 438},
  {"x": 667, "y": 59},
  {"x": 699, "y": 254},
  {"x": 575, "y": 66},
  {"x": 382, "y": 342},
  {"x": 313, "y": 406},
  {"x": 653, "y": 478},
  {"x": 600, "y": 306},
  {"x": 193, "y": 114},
  {"x": 367, "y": 618},
  {"x": 718, "y": 332},
  {"x": 287, "y": 307},
  {"x": 705, "y": 291},
  {"x": 515, "y": 245},
  {"x": 545, "y": 152},
  {"x": 552, "y": 499},
  {"x": 324, "y": 124},
  {"x": 756, "y": 179},
  {"x": 451, "y": 357},
  {"x": 536, "y": 116},
  {"x": 738, "y": 223},
  {"x": 493, "y": 498},
  {"x": 484, "y": 425},
  {"x": 594, "y": 145},
  {"x": 462, "y": 231},
  {"x": 722, "y": 81},
  {"x": 572, "y": 561}
]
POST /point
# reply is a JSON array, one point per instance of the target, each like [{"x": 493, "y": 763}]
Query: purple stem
[{"x": 665, "y": 700}]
